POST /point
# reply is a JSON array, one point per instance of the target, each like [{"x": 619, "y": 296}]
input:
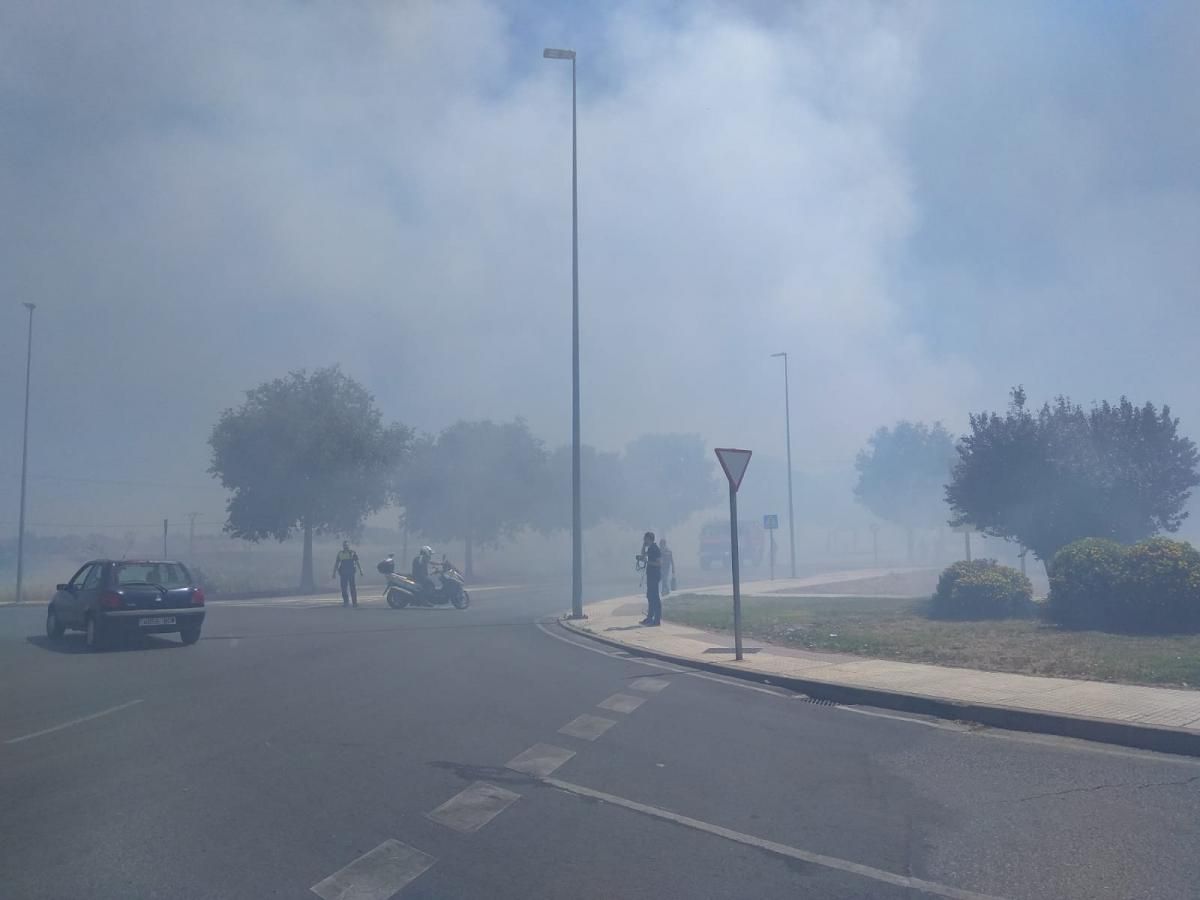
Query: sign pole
[
  {"x": 737, "y": 591},
  {"x": 733, "y": 463},
  {"x": 772, "y": 533}
]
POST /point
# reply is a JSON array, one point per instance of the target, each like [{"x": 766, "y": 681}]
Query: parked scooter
[{"x": 402, "y": 591}]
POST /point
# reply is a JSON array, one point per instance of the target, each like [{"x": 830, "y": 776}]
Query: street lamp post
[
  {"x": 24, "y": 456},
  {"x": 576, "y": 515},
  {"x": 787, "y": 413}
]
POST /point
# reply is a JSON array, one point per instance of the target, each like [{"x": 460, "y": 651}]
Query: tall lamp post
[
  {"x": 787, "y": 414},
  {"x": 576, "y": 516},
  {"x": 24, "y": 457}
]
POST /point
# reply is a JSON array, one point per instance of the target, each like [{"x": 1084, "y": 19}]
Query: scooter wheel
[
  {"x": 397, "y": 599},
  {"x": 462, "y": 601}
]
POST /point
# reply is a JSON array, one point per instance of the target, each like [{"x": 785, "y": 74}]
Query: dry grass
[
  {"x": 912, "y": 584},
  {"x": 898, "y": 629}
]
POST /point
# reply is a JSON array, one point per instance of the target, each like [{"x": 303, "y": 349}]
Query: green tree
[
  {"x": 307, "y": 453},
  {"x": 902, "y": 473},
  {"x": 601, "y": 487},
  {"x": 1049, "y": 478},
  {"x": 477, "y": 482},
  {"x": 667, "y": 477}
]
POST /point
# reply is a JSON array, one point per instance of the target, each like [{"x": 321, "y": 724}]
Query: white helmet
[{"x": 427, "y": 552}]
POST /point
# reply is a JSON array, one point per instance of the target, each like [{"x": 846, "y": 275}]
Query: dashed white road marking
[
  {"x": 650, "y": 685},
  {"x": 622, "y": 703},
  {"x": 376, "y": 875},
  {"x": 473, "y": 807},
  {"x": 587, "y": 727},
  {"x": 81, "y": 719},
  {"x": 540, "y": 760},
  {"x": 818, "y": 859}
]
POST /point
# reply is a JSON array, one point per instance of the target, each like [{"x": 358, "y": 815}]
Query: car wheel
[
  {"x": 189, "y": 634},
  {"x": 54, "y": 628},
  {"x": 94, "y": 632}
]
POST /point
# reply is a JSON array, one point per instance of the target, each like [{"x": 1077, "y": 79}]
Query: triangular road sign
[{"x": 734, "y": 463}]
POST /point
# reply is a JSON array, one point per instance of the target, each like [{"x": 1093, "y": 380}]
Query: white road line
[
  {"x": 650, "y": 685},
  {"x": 473, "y": 807},
  {"x": 586, "y": 727},
  {"x": 376, "y": 875},
  {"x": 622, "y": 703},
  {"x": 944, "y": 726},
  {"x": 540, "y": 760},
  {"x": 81, "y": 719},
  {"x": 829, "y": 862},
  {"x": 732, "y": 682},
  {"x": 558, "y": 637},
  {"x": 611, "y": 654}
]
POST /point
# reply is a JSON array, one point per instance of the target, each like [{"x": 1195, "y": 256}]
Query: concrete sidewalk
[{"x": 1152, "y": 718}]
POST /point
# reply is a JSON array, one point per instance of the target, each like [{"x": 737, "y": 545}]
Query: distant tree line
[
  {"x": 310, "y": 454},
  {"x": 1043, "y": 478}
]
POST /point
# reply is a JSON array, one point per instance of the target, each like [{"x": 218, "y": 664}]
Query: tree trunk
[
  {"x": 468, "y": 561},
  {"x": 307, "y": 584},
  {"x": 911, "y": 550}
]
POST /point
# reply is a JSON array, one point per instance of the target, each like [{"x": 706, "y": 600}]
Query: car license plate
[{"x": 156, "y": 620}]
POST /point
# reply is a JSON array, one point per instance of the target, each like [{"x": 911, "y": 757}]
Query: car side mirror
[{"x": 62, "y": 587}]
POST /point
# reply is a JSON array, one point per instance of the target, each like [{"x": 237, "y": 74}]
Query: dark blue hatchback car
[{"x": 110, "y": 598}]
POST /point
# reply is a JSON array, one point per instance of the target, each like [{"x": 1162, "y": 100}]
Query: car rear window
[{"x": 169, "y": 575}]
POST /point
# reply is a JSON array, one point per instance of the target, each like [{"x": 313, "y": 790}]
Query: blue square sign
[{"x": 771, "y": 522}]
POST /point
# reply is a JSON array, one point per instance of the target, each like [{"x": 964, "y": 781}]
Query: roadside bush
[
  {"x": 1085, "y": 578},
  {"x": 1161, "y": 589},
  {"x": 1152, "y": 586},
  {"x": 981, "y": 589}
]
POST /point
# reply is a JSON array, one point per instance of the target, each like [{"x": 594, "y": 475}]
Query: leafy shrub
[
  {"x": 981, "y": 589},
  {"x": 1084, "y": 583},
  {"x": 1153, "y": 585},
  {"x": 1161, "y": 589}
]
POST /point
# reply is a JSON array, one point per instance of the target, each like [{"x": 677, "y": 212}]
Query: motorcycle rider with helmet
[{"x": 420, "y": 570}]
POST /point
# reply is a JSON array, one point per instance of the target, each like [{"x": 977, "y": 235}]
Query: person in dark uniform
[
  {"x": 420, "y": 571},
  {"x": 344, "y": 567},
  {"x": 653, "y": 555}
]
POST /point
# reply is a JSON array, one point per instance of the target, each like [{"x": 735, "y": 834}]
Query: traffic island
[{"x": 1149, "y": 718}]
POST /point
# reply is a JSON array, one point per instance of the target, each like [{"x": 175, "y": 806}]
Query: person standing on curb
[
  {"x": 668, "y": 568},
  {"x": 344, "y": 566},
  {"x": 653, "y": 555}
]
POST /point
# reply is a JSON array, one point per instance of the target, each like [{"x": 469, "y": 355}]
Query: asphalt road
[{"x": 358, "y": 753}]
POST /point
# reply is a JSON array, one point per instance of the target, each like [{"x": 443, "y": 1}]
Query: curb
[{"x": 1177, "y": 741}]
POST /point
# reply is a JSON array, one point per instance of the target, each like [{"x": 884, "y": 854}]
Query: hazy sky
[{"x": 923, "y": 203}]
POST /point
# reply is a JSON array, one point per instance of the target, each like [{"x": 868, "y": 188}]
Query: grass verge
[{"x": 887, "y": 628}]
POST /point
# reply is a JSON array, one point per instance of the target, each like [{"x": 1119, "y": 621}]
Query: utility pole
[
  {"x": 164, "y": 538},
  {"x": 192, "y": 534},
  {"x": 24, "y": 456},
  {"x": 787, "y": 414},
  {"x": 576, "y": 514}
]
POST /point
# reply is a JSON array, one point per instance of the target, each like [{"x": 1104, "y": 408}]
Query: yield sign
[{"x": 734, "y": 463}]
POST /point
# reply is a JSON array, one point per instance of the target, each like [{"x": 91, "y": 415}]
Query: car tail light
[
  {"x": 197, "y": 596},
  {"x": 111, "y": 600}
]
